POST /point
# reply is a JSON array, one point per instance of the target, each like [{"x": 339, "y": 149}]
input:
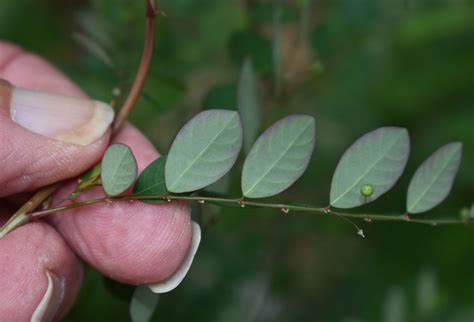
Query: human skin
[{"x": 134, "y": 243}]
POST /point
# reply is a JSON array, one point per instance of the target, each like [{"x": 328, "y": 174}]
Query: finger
[
  {"x": 39, "y": 275},
  {"x": 135, "y": 242},
  {"x": 45, "y": 137}
]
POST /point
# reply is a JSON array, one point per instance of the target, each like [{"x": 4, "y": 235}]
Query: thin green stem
[{"x": 286, "y": 208}]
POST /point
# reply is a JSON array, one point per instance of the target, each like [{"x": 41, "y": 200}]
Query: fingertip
[
  {"x": 39, "y": 147},
  {"x": 134, "y": 243},
  {"x": 178, "y": 276},
  {"x": 38, "y": 271}
]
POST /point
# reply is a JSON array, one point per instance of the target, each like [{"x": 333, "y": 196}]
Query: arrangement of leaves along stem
[{"x": 207, "y": 147}]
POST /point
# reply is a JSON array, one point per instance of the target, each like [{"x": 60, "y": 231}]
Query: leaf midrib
[
  {"x": 201, "y": 153},
  {"x": 276, "y": 162},
  {"x": 366, "y": 172}
]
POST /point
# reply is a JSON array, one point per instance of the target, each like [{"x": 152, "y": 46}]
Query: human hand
[{"x": 41, "y": 266}]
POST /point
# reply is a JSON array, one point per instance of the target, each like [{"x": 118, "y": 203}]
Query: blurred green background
[{"x": 353, "y": 64}]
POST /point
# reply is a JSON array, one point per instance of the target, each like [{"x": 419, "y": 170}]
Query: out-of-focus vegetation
[{"x": 355, "y": 66}]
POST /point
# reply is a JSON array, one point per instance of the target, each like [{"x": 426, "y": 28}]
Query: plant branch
[
  {"x": 18, "y": 218},
  {"x": 143, "y": 70},
  {"x": 285, "y": 208}
]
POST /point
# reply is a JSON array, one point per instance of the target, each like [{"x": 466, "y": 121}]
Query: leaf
[
  {"x": 94, "y": 48},
  {"x": 279, "y": 157},
  {"x": 204, "y": 150},
  {"x": 248, "y": 103},
  {"x": 143, "y": 304},
  {"x": 250, "y": 42},
  {"x": 433, "y": 180},
  {"x": 378, "y": 159},
  {"x": 119, "y": 169},
  {"x": 223, "y": 96},
  {"x": 395, "y": 307},
  {"x": 89, "y": 178},
  {"x": 426, "y": 293},
  {"x": 87, "y": 181},
  {"x": 151, "y": 181},
  {"x": 277, "y": 48}
]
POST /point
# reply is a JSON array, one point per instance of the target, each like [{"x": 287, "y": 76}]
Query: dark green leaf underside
[{"x": 151, "y": 181}]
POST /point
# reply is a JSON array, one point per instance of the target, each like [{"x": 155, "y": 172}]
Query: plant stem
[
  {"x": 143, "y": 70},
  {"x": 286, "y": 208},
  {"x": 18, "y": 218}
]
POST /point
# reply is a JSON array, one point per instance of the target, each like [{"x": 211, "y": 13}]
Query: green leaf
[
  {"x": 248, "y": 103},
  {"x": 245, "y": 43},
  {"x": 377, "y": 159},
  {"x": 395, "y": 307},
  {"x": 119, "y": 169},
  {"x": 277, "y": 48},
  {"x": 426, "y": 292},
  {"x": 222, "y": 96},
  {"x": 433, "y": 180},
  {"x": 94, "y": 48},
  {"x": 151, "y": 181},
  {"x": 204, "y": 150},
  {"x": 279, "y": 157},
  {"x": 143, "y": 304},
  {"x": 89, "y": 178},
  {"x": 87, "y": 181}
]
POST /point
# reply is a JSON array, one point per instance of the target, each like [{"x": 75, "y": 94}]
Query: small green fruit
[
  {"x": 464, "y": 213},
  {"x": 367, "y": 190}
]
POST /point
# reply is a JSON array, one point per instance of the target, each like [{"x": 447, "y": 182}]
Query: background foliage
[{"x": 355, "y": 66}]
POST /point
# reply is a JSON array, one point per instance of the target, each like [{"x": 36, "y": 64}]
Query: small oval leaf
[
  {"x": 119, "y": 169},
  {"x": 248, "y": 103},
  {"x": 143, "y": 304},
  {"x": 151, "y": 182},
  {"x": 279, "y": 156},
  {"x": 433, "y": 180},
  {"x": 377, "y": 159},
  {"x": 204, "y": 150}
]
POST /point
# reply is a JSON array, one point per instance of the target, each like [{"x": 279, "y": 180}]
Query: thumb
[
  {"x": 68, "y": 119},
  {"x": 47, "y": 137}
]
